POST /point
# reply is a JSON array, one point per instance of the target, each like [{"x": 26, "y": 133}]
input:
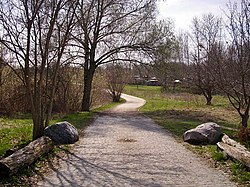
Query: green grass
[
  {"x": 179, "y": 112},
  {"x": 16, "y": 131},
  {"x": 143, "y": 91},
  {"x": 240, "y": 172},
  {"x": 216, "y": 154},
  {"x": 79, "y": 119},
  {"x": 109, "y": 105}
]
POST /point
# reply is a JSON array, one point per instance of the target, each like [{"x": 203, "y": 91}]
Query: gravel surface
[{"x": 123, "y": 148}]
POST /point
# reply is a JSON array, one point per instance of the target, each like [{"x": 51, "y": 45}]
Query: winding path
[{"x": 123, "y": 148}]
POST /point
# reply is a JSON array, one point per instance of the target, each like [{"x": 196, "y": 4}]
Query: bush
[{"x": 13, "y": 97}]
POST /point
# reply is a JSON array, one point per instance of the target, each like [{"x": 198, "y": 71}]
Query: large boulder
[
  {"x": 62, "y": 133},
  {"x": 207, "y": 133}
]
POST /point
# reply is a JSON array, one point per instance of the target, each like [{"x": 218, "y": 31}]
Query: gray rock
[
  {"x": 62, "y": 133},
  {"x": 207, "y": 133}
]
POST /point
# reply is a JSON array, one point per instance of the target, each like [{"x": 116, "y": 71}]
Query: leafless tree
[
  {"x": 2, "y": 64},
  {"x": 36, "y": 32},
  {"x": 232, "y": 67},
  {"x": 109, "y": 31},
  {"x": 69, "y": 89},
  {"x": 165, "y": 64},
  {"x": 118, "y": 76},
  {"x": 206, "y": 32}
]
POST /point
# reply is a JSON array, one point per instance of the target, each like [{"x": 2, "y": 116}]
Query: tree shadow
[
  {"x": 184, "y": 120},
  {"x": 78, "y": 171}
]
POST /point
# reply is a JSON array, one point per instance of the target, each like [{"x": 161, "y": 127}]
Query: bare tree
[
  {"x": 165, "y": 56},
  {"x": 36, "y": 33},
  {"x": 69, "y": 89},
  {"x": 2, "y": 64},
  {"x": 206, "y": 32},
  {"x": 109, "y": 31},
  {"x": 118, "y": 76},
  {"x": 232, "y": 67}
]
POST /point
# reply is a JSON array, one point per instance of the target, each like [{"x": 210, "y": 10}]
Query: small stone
[{"x": 127, "y": 140}]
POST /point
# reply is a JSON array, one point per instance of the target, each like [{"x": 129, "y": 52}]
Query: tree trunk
[
  {"x": 38, "y": 127},
  {"x": 37, "y": 118},
  {"x": 208, "y": 96},
  {"x": 88, "y": 79},
  {"x": 116, "y": 97},
  {"x": 209, "y": 100},
  {"x": 235, "y": 150},
  {"x": 25, "y": 156},
  {"x": 244, "y": 119}
]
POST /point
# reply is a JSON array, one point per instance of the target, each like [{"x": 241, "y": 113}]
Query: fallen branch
[
  {"x": 25, "y": 156},
  {"x": 235, "y": 150},
  {"x": 229, "y": 141}
]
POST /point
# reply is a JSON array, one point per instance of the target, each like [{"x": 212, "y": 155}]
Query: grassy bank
[
  {"x": 16, "y": 131},
  {"x": 179, "y": 112}
]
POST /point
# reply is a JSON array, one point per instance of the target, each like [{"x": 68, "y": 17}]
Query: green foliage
[
  {"x": 217, "y": 155},
  {"x": 14, "y": 133},
  {"x": 240, "y": 172}
]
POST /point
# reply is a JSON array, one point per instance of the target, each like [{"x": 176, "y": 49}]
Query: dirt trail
[{"x": 123, "y": 148}]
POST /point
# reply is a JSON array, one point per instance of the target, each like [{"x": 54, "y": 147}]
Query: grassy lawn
[
  {"x": 17, "y": 131},
  {"x": 14, "y": 132},
  {"x": 179, "y": 112}
]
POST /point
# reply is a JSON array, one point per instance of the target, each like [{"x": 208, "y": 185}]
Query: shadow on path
[{"x": 152, "y": 157}]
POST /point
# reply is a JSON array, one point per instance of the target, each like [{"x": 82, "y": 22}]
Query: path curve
[
  {"x": 121, "y": 149},
  {"x": 131, "y": 105}
]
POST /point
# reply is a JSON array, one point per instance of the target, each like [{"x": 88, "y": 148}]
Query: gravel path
[{"x": 123, "y": 148}]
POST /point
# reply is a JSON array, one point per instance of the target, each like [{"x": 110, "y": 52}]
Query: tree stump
[{"x": 25, "y": 156}]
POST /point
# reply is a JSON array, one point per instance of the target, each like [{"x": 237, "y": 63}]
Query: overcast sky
[{"x": 183, "y": 11}]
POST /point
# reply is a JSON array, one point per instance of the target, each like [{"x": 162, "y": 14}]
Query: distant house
[
  {"x": 176, "y": 81},
  {"x": 153, "y": 82},
  {"x": 138, "y": 80}
]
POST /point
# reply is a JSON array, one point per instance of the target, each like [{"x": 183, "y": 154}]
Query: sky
[{"x": 183, "y": 11}]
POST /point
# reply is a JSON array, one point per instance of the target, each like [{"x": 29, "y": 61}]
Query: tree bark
[
  {"x": 244, "y": 119},
  {"x": 88, "y": 79},
  {"x": 25, "y": 156},
  {"x": 209, "y": 100},
  {"x": 116, "y": 97},
  {"x": 235, "y": 150},
  {"x": 38, "y": 127},
  {"x": 208, "y": 96}
]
